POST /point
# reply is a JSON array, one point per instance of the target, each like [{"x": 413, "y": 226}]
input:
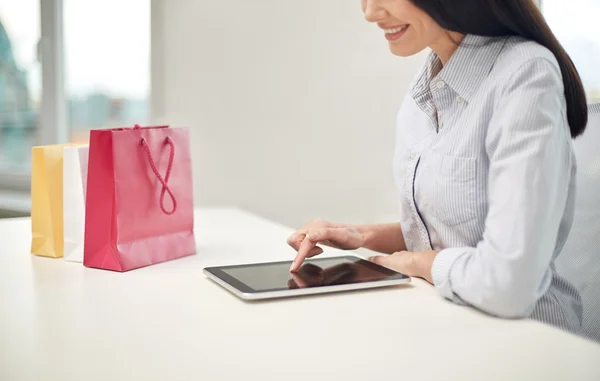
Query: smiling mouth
[{"x": 393, "y": 34}]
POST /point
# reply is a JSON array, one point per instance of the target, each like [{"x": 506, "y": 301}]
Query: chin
[{"x": 404, "y": 51}]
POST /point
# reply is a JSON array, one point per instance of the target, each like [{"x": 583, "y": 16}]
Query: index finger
[{"x": 303, "y": 252}]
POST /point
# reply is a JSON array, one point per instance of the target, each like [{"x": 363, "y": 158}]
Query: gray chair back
[{"x": 580, "y": 258}]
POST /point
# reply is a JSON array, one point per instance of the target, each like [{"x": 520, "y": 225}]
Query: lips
[{"x": 394, "y": 33}]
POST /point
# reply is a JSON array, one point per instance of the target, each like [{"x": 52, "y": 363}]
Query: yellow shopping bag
[{"x": 47, "y": 201}]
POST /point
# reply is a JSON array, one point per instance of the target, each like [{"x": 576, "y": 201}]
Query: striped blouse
[{"x": 485, "y": 171}]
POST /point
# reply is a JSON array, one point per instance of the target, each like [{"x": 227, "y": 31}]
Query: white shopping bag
[{"x": 75, "y": 165}]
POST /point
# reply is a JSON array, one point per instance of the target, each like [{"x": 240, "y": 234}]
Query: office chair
[{"x": 580, "y": 258}]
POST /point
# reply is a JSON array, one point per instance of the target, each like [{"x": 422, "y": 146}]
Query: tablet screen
[{"x": 313, "y": 273}]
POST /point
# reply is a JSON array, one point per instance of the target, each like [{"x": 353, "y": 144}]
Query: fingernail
[{"x": 292, "y": 266}]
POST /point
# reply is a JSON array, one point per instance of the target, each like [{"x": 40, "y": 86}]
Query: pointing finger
[{"x": 303, "y": 252}]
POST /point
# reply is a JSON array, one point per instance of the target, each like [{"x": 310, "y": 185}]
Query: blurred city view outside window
[
  {"x": 106, "y": 70},
  {"x": 20, "y": 83}
]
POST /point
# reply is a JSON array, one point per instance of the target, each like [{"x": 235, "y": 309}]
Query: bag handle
[
  {"x": 136, "y": 127},
  {"x": 164, "y": 181}
]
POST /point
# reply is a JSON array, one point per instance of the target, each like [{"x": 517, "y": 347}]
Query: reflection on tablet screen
[{"x": 313, "y": 273}]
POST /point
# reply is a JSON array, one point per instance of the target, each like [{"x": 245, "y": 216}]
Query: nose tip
[
  {"x": 369, "y": 17},
  {"x": 374, "y": 15}
]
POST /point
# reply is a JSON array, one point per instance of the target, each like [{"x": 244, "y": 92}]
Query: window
[
  {"x": 575, "y": 25},
  {"x": 67, "y": 66},
  {"x": 20, "y": 83},
  {"x": 107, "y": 64}
]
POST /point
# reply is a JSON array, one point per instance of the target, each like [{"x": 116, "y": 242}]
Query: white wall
[{"x": 291, "y": 104}]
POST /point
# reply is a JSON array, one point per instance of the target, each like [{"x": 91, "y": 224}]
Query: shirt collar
[{"x": 467, "y": 68}]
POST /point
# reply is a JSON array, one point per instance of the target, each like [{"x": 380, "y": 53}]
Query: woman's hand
[
  {"x": 409, "y": 263},
  {"x": 305, "y": 241}
]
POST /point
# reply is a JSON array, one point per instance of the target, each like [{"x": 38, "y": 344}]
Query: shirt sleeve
[{"x": 530, "y": 164}]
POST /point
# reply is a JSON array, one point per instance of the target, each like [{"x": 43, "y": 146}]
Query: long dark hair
[{"x": 513, "y": 18}]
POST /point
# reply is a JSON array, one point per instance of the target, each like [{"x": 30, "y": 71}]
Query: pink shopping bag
[{"x": 139, "y": 202}]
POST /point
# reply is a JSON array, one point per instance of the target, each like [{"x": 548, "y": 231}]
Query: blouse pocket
[{"x": 455, "y": 181}]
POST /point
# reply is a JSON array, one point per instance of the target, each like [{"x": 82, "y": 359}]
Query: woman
[{"x": 484, "y": 163}]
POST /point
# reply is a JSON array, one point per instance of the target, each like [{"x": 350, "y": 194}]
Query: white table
[{"x": 60, "y": 321}]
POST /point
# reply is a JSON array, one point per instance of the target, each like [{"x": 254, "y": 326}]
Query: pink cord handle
[{"x": 165, "y": 181}]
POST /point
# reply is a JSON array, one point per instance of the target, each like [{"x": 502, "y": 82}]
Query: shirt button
[
  {"x": 441, "y": 124},
  {"x": 459, "y": 99},
  {"x": 440, "y": 85}
]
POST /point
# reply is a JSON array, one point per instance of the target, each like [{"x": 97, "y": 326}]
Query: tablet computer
[{"x": 315, "y": 276}]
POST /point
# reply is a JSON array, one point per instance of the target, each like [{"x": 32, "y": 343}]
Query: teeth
[{"x": 396, "y": 30}]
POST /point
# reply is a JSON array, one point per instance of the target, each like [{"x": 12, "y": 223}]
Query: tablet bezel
[{"x": 244, "y": 291}]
